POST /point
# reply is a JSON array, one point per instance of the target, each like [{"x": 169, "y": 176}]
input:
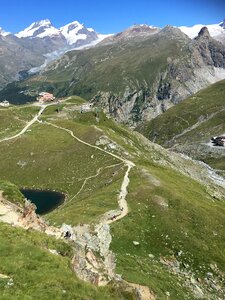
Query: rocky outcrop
[
  {"x": 30, "y": 219},
  {"x": 201, "y": 287},
  {"x": 208, "y": 51},
  {"x": 93, "y": 260},
  {"x": 201, "y": 64},
  {"x": 25, "y": 217}
]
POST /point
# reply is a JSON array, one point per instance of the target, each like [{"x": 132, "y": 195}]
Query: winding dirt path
[
  {"x": 123, "y": 191},
  {"x": 123, "y": 206},
  {"x": 122, "y": 196},
  {"x": 9, "y": 215},
  {"x": 28, "y": 125}
]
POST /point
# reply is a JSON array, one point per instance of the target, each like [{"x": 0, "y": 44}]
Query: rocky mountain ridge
[
  {"x": 141, "y": 31},
  {"x": 136, "y": 79},
  {"x": 134, "y": 75}
]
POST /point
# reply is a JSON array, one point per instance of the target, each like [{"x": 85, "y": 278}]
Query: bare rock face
[
  {"x": 223, "y": 24},
  {"x": 96, "y": 269},
  {"x": 210, "y": 51},
  {"x": 201, "y": 63},
  {"x": 30, "y": 219},
  {"x": 204, "y": 32}
]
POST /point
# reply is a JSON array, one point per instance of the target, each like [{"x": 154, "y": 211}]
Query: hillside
[
  {"x": 134, "y": 76},
  {"x": 15, "y": 57},
  {"x": 101, "y": 165},
  {"x": 189, "y": 126},
  {"x": 30, "y": 271}
]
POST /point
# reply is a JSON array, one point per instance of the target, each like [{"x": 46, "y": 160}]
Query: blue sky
[{"x": 110, "y": 16}]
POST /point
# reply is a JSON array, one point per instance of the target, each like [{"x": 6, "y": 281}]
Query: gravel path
[
  {"x": 123, "y": 190},
  {"x": 28, "y": 125}
]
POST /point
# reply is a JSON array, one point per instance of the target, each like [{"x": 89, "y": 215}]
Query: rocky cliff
[{"x": 197, "y": 64}]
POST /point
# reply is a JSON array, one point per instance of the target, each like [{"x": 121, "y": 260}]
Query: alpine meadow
[{"x": 112, "y": 158}]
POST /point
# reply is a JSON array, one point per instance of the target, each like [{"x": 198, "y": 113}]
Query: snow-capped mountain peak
[
  {"x": 3, "y": 32},
  {"x": 45, "y": 22},
  {"x": 39, "y": 29},
  {"x": 73, "y": 34},
  {"x": 76, "y": 31},
  {"x": 90, "y": 29},
  {"x": 71, "y": 27}
]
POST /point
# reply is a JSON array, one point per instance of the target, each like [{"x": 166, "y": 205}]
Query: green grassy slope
[
  {"x": 13, "y": 119},
  {"x": 200, "y": 107},
  {"x": 189, "y": 125},
  {"x": 35, "y": 273},
  {"x": 174, "y": 218},
  {"x": 11, "y": 192},
  {"x": 113, "y": 67},
  {"x": 169, "y": 213},
  {"x": 50, "y": 158}
]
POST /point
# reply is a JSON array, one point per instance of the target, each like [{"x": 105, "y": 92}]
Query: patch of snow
[
  {"x": 49, "y": 58},
  {"x": 50, "y": 31},
  {"x": 101, "y": 37},
  {"x": 146, "y": 25},
  {"x": 192, "y": 32},
  {"x": 3, "y": 32}
]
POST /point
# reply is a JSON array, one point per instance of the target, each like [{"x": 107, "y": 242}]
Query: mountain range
[
  {"x": 134, "y": 75},
  {"x": 73, "y": 34},
  {"x": 38, "y": 44}
]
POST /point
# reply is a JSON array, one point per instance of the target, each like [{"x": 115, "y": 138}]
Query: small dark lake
[{"x": 46, "y": 201}]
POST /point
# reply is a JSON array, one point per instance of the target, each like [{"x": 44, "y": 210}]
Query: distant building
[
  {"x": 218, "y": 140},
  {"x": 45, "y": 97},
  {"x": 86, "y": 107},
  {"x": 4, "y": 103}
]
